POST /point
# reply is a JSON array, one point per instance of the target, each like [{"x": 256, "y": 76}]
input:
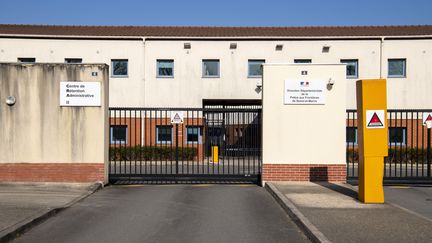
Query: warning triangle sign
[
  {"x": 375, "y": 121},
  {"x": 429, "y": 118},
  {"x": 177, "y": 117}
]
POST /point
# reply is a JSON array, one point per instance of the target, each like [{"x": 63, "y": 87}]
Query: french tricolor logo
[{"x": 304, "y": 83}]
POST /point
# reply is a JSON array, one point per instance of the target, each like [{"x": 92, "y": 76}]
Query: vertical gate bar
[
  {"x": 185, "y": 122},
  {"x": 412, "y": 143},
  {"x": 112, "y": 152},
  {"x": 406, "y": 143},
  {"x": 347, "y": 155},
  {"x": 141, "y": 141},
  {"x": 397, "y": 155},
  {"x": 391, "y": 157},
  {"x": 417, "y": 145},
  {"x": 176, "y": 148},
  {"x": 248, "y": 143},
  {"x": 423, "y": 149},
  {"x": 354, "y": 157},
  {"x": 231, "y": 143},
  {"x": 152, "y": 156},
  {"x": 428, "y": 153}
]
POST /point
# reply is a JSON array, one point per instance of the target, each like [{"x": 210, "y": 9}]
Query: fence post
[
  {"x": 428, "y": 154},
  {"x": 176, "y": 153}
]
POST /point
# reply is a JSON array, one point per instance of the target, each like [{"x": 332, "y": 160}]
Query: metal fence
[
  {"x": 409, "y": 153},
  {"x": 146, "y": 145}
]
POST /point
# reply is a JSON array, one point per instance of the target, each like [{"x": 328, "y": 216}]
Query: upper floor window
[
  {"x": 27, "y": 59},
  {"x": 165, "y": 68},
  {"x": 119, "y": 67},
  {"x": 211, "y": 68},
  {"x": 73, "y": 60},
  {"x": 396, "y": 68},
  {"x": 351, "y": 67},
  {"x": 254, "y": 68},
  {"x": 302, "y": 60},
  {"x": 351, "y": 135}
]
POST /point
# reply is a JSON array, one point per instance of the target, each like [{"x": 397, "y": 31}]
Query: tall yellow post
[
  {"x": 372, "y": 138},
  {"x": 215, "y": 154}
]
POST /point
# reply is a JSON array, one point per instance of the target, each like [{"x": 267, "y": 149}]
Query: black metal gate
[
  {"x": 409, "y": 142},
  {"x": 146, "y": 144}
]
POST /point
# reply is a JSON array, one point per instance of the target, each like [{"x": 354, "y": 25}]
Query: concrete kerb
[
  {"x": 302, "y": 222},
  {"x": 15, "y": 230}
]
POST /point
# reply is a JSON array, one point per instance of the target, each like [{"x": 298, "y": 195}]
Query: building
[{"x": 196, "y": 67}]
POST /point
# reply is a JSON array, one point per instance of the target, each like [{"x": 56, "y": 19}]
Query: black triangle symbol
[{"x": 375, "y": 121}]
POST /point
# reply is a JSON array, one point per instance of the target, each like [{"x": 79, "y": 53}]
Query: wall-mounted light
[
  {"x": 325, "y": 49},
  {"x": 279, "y": 47},
  {"x": 233, "y": 46},
  {"x": 187, "y": 45},
  {"x": 10, "y": 100}
]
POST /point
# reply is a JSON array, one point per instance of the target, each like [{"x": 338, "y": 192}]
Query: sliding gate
[{"x": 190, "y": 144}]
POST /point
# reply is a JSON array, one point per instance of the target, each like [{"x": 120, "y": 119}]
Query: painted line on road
[{"x": 400, "y": 187}]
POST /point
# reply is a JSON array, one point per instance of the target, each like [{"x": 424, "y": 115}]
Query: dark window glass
[
  {"x": 193, "y": 134},
  {"x": 119, "y": 67},
  {"x": 396, "y": 67},
  {"x": 164, "y": 134},
  {"x": 302, "y": 60},
  {"x": 351, "y": 135},
  {"x": 397, "y": 135},
  {"x": 73, "y": 60},
  {"x": 210, "y": 68},
  {"x": 27, "y": 59},
  {"x": 118, "y": 134}
]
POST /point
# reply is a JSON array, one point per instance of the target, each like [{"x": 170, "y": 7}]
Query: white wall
[
  {"x": 188, "y": 88},
  {"x": 124, "y": 91},
  {"x": 303, "y": 134}
]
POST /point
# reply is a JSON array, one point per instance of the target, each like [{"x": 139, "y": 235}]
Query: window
[
  {"x": 165, "y": 68},
  {"x": 210, "y": 68},
  {"x": 193, "y": 134},
  {"x": 302, "y": 60},
  {"x": 351, "y": 135},
  {"x": 73, "y": 60},
  {"x": 254, "y": 68},
  {"x": 351, "y": 67},
  {"x": 163, "y": 134},
  {"x": 27, "y": 59},
  {"x": 397, "y": 135},
  {"x": 119, "y": 68},
  {"x": 396, "y": 68},
  {"x": 118, "y": 134}
]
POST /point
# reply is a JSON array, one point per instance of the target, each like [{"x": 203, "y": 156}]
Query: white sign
[
  {"x": 304, "y": 92},
  {"x": 427, "y": 116},
  {"x": 177, "y": 117},
  {"x": 80, "y": 94},
  {"x": 375, "y": 119}
]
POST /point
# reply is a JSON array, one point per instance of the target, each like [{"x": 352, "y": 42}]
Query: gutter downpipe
[{"x": 381, "y": 55}]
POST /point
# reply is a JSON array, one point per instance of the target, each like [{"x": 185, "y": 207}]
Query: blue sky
[{"x": 217, "y": 12}]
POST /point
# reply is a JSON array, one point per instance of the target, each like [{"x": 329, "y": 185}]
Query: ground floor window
[
  {"x": 118, "y": 134},
  {"x": 397, "y": 135},
  {"x": 351, "y": 135},
  {"x": 163, "y": 134},
  {"x": 193, "y": 134}
]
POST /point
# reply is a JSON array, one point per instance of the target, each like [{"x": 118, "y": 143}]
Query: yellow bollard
[
  {"x": 215, "y": 154},
  {"x": 372, "y": 138}
]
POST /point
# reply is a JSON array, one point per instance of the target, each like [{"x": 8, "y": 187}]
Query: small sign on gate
[{"x": 176, "y": 117}]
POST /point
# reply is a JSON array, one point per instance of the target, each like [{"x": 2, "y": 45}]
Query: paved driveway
[{"x": 171, "y": 213}]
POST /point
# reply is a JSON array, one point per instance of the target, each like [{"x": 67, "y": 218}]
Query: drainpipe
[{"x": 381, "y": 56}]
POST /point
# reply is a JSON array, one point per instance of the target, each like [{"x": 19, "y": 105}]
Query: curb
[
  {"x": 22, "y": 227},
  {"x": 302, "y": 222}
]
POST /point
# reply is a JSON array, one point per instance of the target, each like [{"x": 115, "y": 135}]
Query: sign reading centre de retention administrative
[
  {"x": 304, "y": 92},
  {"x": 80, "y": 94}
]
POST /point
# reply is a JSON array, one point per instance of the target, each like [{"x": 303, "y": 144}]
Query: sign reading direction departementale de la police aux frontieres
[
  {"x": 304, "y": 92},
  {"x": 80, "y": 93}
]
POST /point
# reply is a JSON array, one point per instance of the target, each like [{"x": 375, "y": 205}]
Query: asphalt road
[
  {"x": 171, "y": 213},
  {"x": 415, "y": 198}
]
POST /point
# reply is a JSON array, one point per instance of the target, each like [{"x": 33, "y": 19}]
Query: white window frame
[
  {"x": 404, "y": 68},
  {"x": 118, "y": 141},
  {"x": 199, "y": 135},
  {"x": 157, "y": 135},
  {"x": 112, "y": 68},
  {"x": 157, "y": 68},
  {"x": 203, "y": 69},
  {"x": 348, "y": 61},
  {"x": 255, "y": 61}
]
